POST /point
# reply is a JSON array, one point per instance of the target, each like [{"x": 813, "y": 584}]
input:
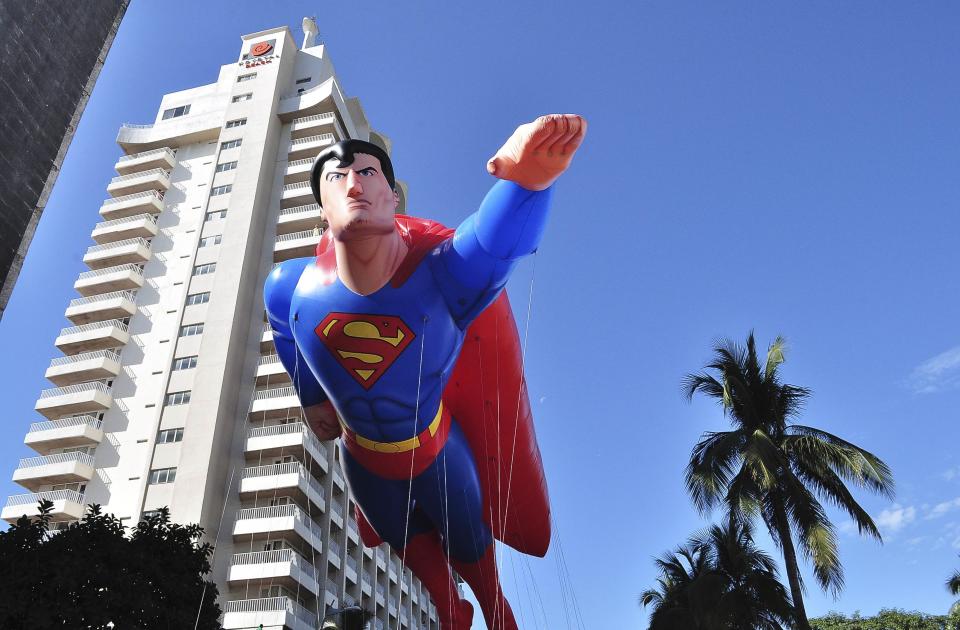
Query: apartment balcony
[
  {"x": 67, "y": 505},
  {"x": 298, "y": 171},
  {"x": 316, "y": 124},
  {"x": 82, "y": 398},
  {"x": 95, "y": 336},
  {"x": 300, "y": 219},
  {"x": 333, "y": 552},
  {"x": 133, "y": 250},
  {"x": 296, "y": 194},
  {"x": 296, "y": 245},
  {"x": 84, "y": 367},
  {"x": 282, "y": 566},
  {"x": 149, "y": 202},
  {"x": 336, "y": 512},
  {"x": 174, "y": 132},
  {"x": 381, "y": 595},
  {"x": 156, "y": 179},
  {"x": 97, "y": 308},
  {"x": 266, "y": 339},
  {"x": 34, "y": 472},
  {"x": 288, "y": 521},
  {"x": 338, "y": 478},
  {"x": 139, "y": 225},
  {"x": 366, "y": 585},
  {"x": 84, "y": 430},
  {"x": 277, "y": 402},
  {"x": 163, "y": 158},
  {"x": 309, "y": 147},
  {"x": 270, "y": 370},
  {"x": 287, "y": 439},
  {"x": 109, "y": 279},
  {"x": 381, "y": 559},
  {"x": 332, "y": 593},
  {"x": 291, "y": 479},
  {"x": 351, "y": 570},
  {"x": 352, "y": 532},
  {"x": 270, "y": 612}
]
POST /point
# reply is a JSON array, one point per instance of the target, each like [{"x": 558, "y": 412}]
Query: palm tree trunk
[{"x": 793, "y": 570}]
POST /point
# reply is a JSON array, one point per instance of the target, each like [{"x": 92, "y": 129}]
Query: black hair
[{"x": 344, "y": 152}]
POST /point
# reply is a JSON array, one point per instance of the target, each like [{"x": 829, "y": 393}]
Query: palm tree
[
  {"x": 953, "y": 584},
  {"x": 718, "y": 580},
  {"x": 768, "y": 467}
]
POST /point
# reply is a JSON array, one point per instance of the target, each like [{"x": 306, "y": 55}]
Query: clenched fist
[{"x": 540, "y": 151}]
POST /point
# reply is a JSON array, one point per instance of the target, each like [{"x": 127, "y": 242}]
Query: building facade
[
  {"x": 46, "y": 80},
  {"x": 169, "y": 391}
]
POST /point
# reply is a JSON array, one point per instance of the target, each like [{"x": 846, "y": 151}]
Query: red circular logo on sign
[{"x": 261, "y": 49}]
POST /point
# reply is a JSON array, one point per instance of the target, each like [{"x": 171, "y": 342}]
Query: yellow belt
[{"x": 404, "y": 445}]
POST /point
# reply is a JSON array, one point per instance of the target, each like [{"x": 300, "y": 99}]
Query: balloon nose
[{"x": 353, "y": 184}]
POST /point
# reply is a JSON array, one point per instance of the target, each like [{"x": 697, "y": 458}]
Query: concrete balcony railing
[
  {"x": 132, "y": 250},
  {"x": 266, "y": 339},
  {"x": 381, "y": 594},
  {"x": 282, "y": 566},
  {"x": 296, "y": 245},
  {"x": 149, "y": 202},
  {"x": 334, "y": 556},
  {"x": 277, "y": 402},
  {"x": 34, "y": 472},
  {"x": 154, "y": 179},
  {"x": 270, "y": 371},
  {"x": 296, "y": 194},
  {"x": 365, "y": 583},
  {"x": 270, "y": 612},
  {"x": 309, "y": 147},
  {"x": 298, "y": 171},
  {"x": 117, "y": 278},
  {"x": 139, "y": 225},
  {"x": 97, "y": 308},
  {"x": 67, "y": 505},
  {"x": 82, "y": 398},
  {"x": 84, "y": 367},
  {"x": 332, "y": 592},
  {"x": 84, "y": 430},
  {"x": 278, "y": 520},
  {"x": 162, "y": 158},
  {"x": 290, "y": 438},
  {"x": 95, "y": 336},
  {"x": 309, "y": 125},
  {"x": 300, "y": 218},
  {"x": 336, "y": 512},
  {"x": 285, "y": 479},
  {"x": 352, "y": 530}
]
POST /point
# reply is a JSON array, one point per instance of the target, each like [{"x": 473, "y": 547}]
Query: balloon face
[{"x": 357, "y": 199}]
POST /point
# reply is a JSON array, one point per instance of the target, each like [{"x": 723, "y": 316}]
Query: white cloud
[
  {"x": 942, "y": 508},
  {"x": 937, "y": 374},
  {"x": 892, "y": 520},
  {"x": 951, "y": 473}
]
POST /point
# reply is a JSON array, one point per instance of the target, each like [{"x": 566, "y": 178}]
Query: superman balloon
[{"x": 399, "y": 340}]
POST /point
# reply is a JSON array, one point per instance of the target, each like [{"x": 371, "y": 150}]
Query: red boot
[
  {"x": 424, "y": 555},
  {"x": 482, "y": 578}
]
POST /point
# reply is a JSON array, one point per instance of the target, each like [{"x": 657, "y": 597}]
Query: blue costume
[{"x": 384, "y": 359}]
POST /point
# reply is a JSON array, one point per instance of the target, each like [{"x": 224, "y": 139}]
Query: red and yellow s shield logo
[{"x": 365, "y": 345}]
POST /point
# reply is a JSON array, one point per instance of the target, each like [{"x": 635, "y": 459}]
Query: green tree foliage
[
  {"x": 953, "y": 584},
  {"x": 718, "y": 580},
  {"x": 887, "y": 619},
  {"x": 770, "y": 468},
  {"x": 91, "y": 574}
]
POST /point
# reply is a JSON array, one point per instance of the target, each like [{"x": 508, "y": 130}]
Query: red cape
[{"x": 487, "y": 395}]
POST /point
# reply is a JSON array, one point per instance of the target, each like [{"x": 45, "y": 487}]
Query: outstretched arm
[
  {"x": 277, "y": 294},
  {"x": 476, "y": 263}
]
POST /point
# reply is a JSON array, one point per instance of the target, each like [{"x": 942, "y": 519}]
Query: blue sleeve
[
  {"x": 473, "y": 266},
  {"x": 277, "y": 295}
]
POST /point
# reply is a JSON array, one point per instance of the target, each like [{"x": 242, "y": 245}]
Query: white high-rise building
[{"x": 169, "y": 391}]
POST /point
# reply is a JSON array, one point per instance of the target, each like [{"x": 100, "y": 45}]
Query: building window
[
  {"x": 216, "y": 214},
  {"x": 231, "y": 144},
  {"x": 239, "y": 122},
  {"x": 304, "y": 80},
  {"x": 185, "y": 363},
  {"x": 162, "y": 475},
  {"x": 221, "y": 190},
  {"x": 226, "y": 166},
  {"x": 169, "y": 436},
  {"x": 191, "y": 330},
  {"x": 202, "y": 270},
  {"x": 239, "y": 98},
  {"x": 176, "y": 112},
  {"x": 177, "y": 398},
  {"x": 246, "y": 77},
  {"x": 207, "y": 241},
  {"x": 198, "y": 298}
]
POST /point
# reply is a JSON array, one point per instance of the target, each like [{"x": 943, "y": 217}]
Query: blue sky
[{"x": 787, "y": 168}]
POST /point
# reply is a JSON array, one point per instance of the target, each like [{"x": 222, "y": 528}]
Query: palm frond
[
  {"x": 776, "y": 354},
  {"x": 866, "y": 469},
  {"x": 703, "y": 383},
  {"x": 828, "y": 484},
  {"x": 953, "y": 584},
  {"x": 710, "y": 467},
  {"x": 816, "y": 536}
]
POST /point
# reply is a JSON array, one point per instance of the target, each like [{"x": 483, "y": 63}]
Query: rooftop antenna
[{"x": 310, "y": 32}]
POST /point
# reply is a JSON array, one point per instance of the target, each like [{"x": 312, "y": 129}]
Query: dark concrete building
[{"x": 50, "y": 56}]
